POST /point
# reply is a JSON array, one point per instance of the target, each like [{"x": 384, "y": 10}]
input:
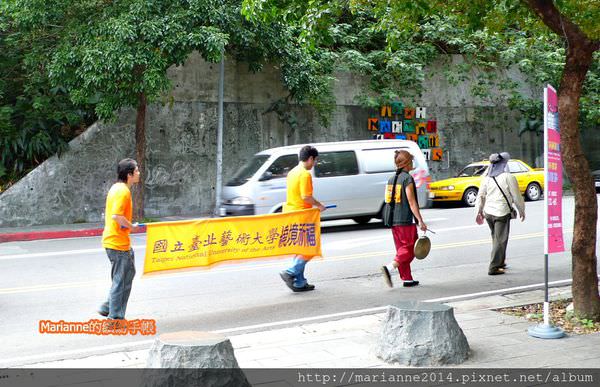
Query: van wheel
[
  {"x": 470, "y": 196},
  {"x": 362, "y": 219},
  {"x": 533, "y": 192}
]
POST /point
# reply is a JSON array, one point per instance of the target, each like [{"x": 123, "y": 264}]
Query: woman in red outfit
[{"x": 401, "y": 213}]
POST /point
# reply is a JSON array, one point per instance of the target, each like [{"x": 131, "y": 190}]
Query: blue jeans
[
  {"x": 122, "y": 273},
  {"x": 297, "y": 271}
]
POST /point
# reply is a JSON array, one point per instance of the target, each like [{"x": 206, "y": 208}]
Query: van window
[
  {"x": 248, "y": 170},
  {"x": 378, "y": 160},
  {"x": 381, "y": 160},
  {"x": 330, "y": 164},
  {"x": 283, "y": 165}
]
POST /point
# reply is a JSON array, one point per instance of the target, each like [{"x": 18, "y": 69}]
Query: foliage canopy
[{"x": 70, "y": 62}]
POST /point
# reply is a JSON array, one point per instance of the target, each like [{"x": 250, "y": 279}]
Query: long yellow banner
[{"x": 193, "y": 243}]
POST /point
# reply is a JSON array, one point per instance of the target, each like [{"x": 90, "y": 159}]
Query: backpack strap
[{"x": 393, "y": 198}]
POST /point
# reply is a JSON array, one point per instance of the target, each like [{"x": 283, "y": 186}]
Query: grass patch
[{"x": 559, "y": 316}]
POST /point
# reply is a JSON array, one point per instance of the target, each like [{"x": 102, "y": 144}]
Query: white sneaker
[{"x": 386, "y": 276}]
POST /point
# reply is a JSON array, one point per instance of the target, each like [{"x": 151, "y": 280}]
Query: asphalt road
[{"x": 67, "y": 279}]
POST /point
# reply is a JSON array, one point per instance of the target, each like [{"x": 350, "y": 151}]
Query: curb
[{"x": 59, "y": 234}]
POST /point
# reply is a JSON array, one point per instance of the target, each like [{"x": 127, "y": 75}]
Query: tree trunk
[
  {"x": 586, "y": 299},
  {"x": 580, "y": 50},
  {"x": 140, "y": 156}
]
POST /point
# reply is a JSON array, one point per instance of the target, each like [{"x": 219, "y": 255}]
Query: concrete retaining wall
[{"x": 181, "y": 142}]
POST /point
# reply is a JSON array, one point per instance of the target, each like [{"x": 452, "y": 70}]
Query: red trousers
[{"x": 404, "y": 239}]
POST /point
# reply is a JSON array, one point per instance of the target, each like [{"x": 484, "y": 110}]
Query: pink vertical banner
[{"x": 553, "y": 190}]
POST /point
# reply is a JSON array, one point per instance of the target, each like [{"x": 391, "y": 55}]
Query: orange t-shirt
[
  {"x": 299, "y": 183},
  {"x": 118, "y": 202}
]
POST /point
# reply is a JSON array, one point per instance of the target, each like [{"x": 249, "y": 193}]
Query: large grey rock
[
  {"x": 421, "y": 334},
  {"x": 191, "y": 358}
]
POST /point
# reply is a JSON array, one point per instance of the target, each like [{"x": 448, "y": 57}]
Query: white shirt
[{"x": 491, "y": 201}]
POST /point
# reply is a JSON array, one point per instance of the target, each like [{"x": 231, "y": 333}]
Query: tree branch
[{"x": 560, "y": 24}]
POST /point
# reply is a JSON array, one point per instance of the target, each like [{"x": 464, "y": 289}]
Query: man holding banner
[
  {"x": 116, "y": 241},
  {"x": 300, "y": 197}
]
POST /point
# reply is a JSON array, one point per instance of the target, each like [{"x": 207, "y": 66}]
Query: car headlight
[
  {"x": 241, "y": 200},
  {"x": 447, "y": 188}
]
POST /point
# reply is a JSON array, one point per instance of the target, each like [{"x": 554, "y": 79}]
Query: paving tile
[
  {"x": 347, "y": 324},
  {"x": 300, "y": 348},
  {"x": 260, "y": 353},
  {"x": 589, "y": 363},
  {"x": 264, "y": 337},
  {"x": 535, "y": 360},
  {"x": 585, "y": 352},
  {"x": 286, "y": 362},
  {"x": 339, "y": 362},
  {"x": 483, "y": 352},
  {"x": 347, "y": 349},
  {"x": 494, "y": 330},
  {"x": 485, "y": 322},
  {"x": 138, "y": 356}
]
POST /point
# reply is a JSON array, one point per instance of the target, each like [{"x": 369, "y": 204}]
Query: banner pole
[
  {"x": 546, "y": 297},
  {"x": 546, "y": 220},
  {"x": 545, "y": 330},
  {"x": 219, "y": 177}
]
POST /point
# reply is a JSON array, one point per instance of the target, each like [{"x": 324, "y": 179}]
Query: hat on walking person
[{"x": 499, "y": 163}]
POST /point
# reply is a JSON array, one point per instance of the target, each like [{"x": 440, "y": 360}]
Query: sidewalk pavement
[{"x": 496, "y": 341}]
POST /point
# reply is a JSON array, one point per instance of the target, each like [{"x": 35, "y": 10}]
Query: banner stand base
[{"x": 544, "y": 331}]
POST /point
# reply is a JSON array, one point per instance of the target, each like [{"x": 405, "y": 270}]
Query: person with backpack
[{"x": 400, "y": 211}]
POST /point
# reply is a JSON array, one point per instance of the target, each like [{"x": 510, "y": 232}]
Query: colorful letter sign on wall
[
  {"x": 194, "y": 243},
  {"x": 399, "y": 122}
]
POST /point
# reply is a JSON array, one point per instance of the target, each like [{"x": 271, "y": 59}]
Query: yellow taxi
[{"x": 465, "y": 185}]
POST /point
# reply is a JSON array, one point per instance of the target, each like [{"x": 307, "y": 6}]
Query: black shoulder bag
[
  {"x": 388, "y": 210},
  {"x": 513, "y": 212}
]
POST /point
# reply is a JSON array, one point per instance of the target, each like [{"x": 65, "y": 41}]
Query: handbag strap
[
  {"x": 393, "y": 198},
  {"x": 503, "y": 194}
]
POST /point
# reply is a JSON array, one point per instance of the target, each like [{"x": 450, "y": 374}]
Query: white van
[{"x": 350, "y": 175}]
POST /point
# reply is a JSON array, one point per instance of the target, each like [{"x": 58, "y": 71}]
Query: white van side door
[
  {"x": 377, "y": 166},
  {"x": 336, "y": 181}
]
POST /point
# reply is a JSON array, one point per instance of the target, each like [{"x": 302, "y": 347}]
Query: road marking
[
  {"x": 59, "y": 253},
  {"x": 365, "y": 241},
  {"x": 67, "y": 285},
  {"x": 514, "y": 289},
  {"x": 146, "y": 343},
  {"x": 205, "y": 271}
]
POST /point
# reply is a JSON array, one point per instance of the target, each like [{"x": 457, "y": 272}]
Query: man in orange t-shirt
[
  {"x": 116, "y": 241},
  {"x": 300, "y": 197}
]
